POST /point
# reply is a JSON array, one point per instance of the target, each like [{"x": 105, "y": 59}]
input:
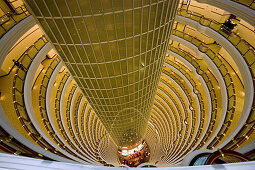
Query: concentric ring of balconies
[
  {"x": 180, "y": 124},
  {"x": 240, "y": 44},
  {"x": 25, "y": 60},
  {"x": 9, "y": 20},
  {"x": 207, "y": 80}
]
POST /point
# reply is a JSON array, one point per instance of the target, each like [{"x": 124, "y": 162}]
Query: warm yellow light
[{"x": 242, "y": 94}]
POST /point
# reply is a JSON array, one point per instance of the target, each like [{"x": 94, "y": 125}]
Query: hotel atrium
[{"x": 127, "y": 83}]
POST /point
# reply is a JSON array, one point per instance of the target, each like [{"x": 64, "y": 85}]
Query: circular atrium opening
[{"x": 134, "y": 155}]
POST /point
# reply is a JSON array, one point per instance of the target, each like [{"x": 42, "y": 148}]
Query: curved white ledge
[
  {"x": 188, "y": 135},
  {"x": 154, "y": 146},
  {"x": 189, "y": 85},
  {"x": 194, "y": 96},
  {"x": 174, "y": 122},
  {"x": 146, "y": 164},
  {"x": 8, "y": 127},
  {"x": 86, "y": 137},
  {"x": 79, "y": 130},
  {"x": 242, "y": 66},
  {"x": 235, "y": 8},
  {"x": 48, "y": 106},
  {"x": 209, "y": 107},
  {"x": 219, "y": 78},
  {"x": 179, "y": 103},
  {"x": 80, "y": 114},
  {"x": 102, "y": 146},
  {"x": 174, "y": 96},
  {"x": 185, "y": 98},
  {"x": 181, "y": 90},
  {"x": 170, "y": 100},
  {"x": 92, "y": 157},
  {"x": 8, "y": 161},
  {"x": 165, "y": 124},
  {"x": 184, "y": 94},
  {"x": 72, "y": 105},
  {"x": 62, "y": 118},
  {"x": 13, "y": 35},
  {"x": 247, "y": 148},
  {"x": 188, "y": 158},
  {"x": 28, "y": 97}
]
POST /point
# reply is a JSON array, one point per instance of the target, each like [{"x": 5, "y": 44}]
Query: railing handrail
[
  {"x": 30, "y": 129},
  {"x": 249, "y": 48},
  {"x": 57, "y": 114},
  {"x": 216, "y": 141},
  {"x": 10, "y": 16},
  {"x": 212, "y": 21},
  {"x": 43, "y": 37},
  {"x": 236, "y": 1}
]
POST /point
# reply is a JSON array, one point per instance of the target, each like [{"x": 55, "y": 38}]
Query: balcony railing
[
  {"x": 9, "y": 144},
  {"x": 18, "y": 95},
  {"x": 248, "y": 53},
  {"x": 248, "y": 3},
  {"x": 42, "y": 102},
  {"x": 59, "y": 122},
  {"x": 69, "y": 126},
  {"x": 214, "y": 101},
  {"x": 75, "y": 129},
  {"x": 89, "y": 151},
  {"x": 246, "y": 50},
  {"x": 58, "y": 117},
  {"x": 201, "y": 102},
  {"x": 189, "y": 58},
  {"x": 9, "y": 20},
  {"x": 180, "y": 131},
  {"x": 187, "y": 93},
  {"x": 84, "y": 130},
  {"x": 167, "y": 134},
  {"x": 226, "y": 77}
]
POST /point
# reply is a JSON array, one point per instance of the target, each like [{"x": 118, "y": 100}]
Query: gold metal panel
[{"x": 115, "y": 50}]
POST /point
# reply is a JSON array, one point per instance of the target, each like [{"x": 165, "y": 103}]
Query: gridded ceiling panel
[{"x": 115, "y": 50}]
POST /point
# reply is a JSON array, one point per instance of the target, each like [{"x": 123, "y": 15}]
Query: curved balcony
[
  {"x": 202, "y": 118},
  {"x": 203, "y": 73},
  {"x": 190, "y": 80},
  {"x": 67, "y": 120},
  {"x": 249, "y": 3},
  {"x": 227, "y": 79},
  {"x": 40, "y": 98},
  {"x": 167, "y": 99},
  {"x": 185, "y": 129},
  {"x": 242, "y": 46},
  {"x": 245, "y": 48},
  {"x": 18, "y": 92},
  {"x": 107, "y": 151},
  {"x": 210, "y": 87},
  {"x": 62, "y": 81},
  {"x": 190, "y": 119},
  {"x": 244, "y": 9},
  {"x": 177, "y": 130},
  {"x": 74, "y": 121},
  {"x": 69, "y": 91},
  {"x": 166, "y": 102},
  {"x": 185, "y": 116},
  {"x": 161, "y": 122},
  {"x": 11, "y": 145},
  {"x": 10, "y": 19}
]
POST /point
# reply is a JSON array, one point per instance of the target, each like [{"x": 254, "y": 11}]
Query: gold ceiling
[{"x": 115, "y": 50}]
